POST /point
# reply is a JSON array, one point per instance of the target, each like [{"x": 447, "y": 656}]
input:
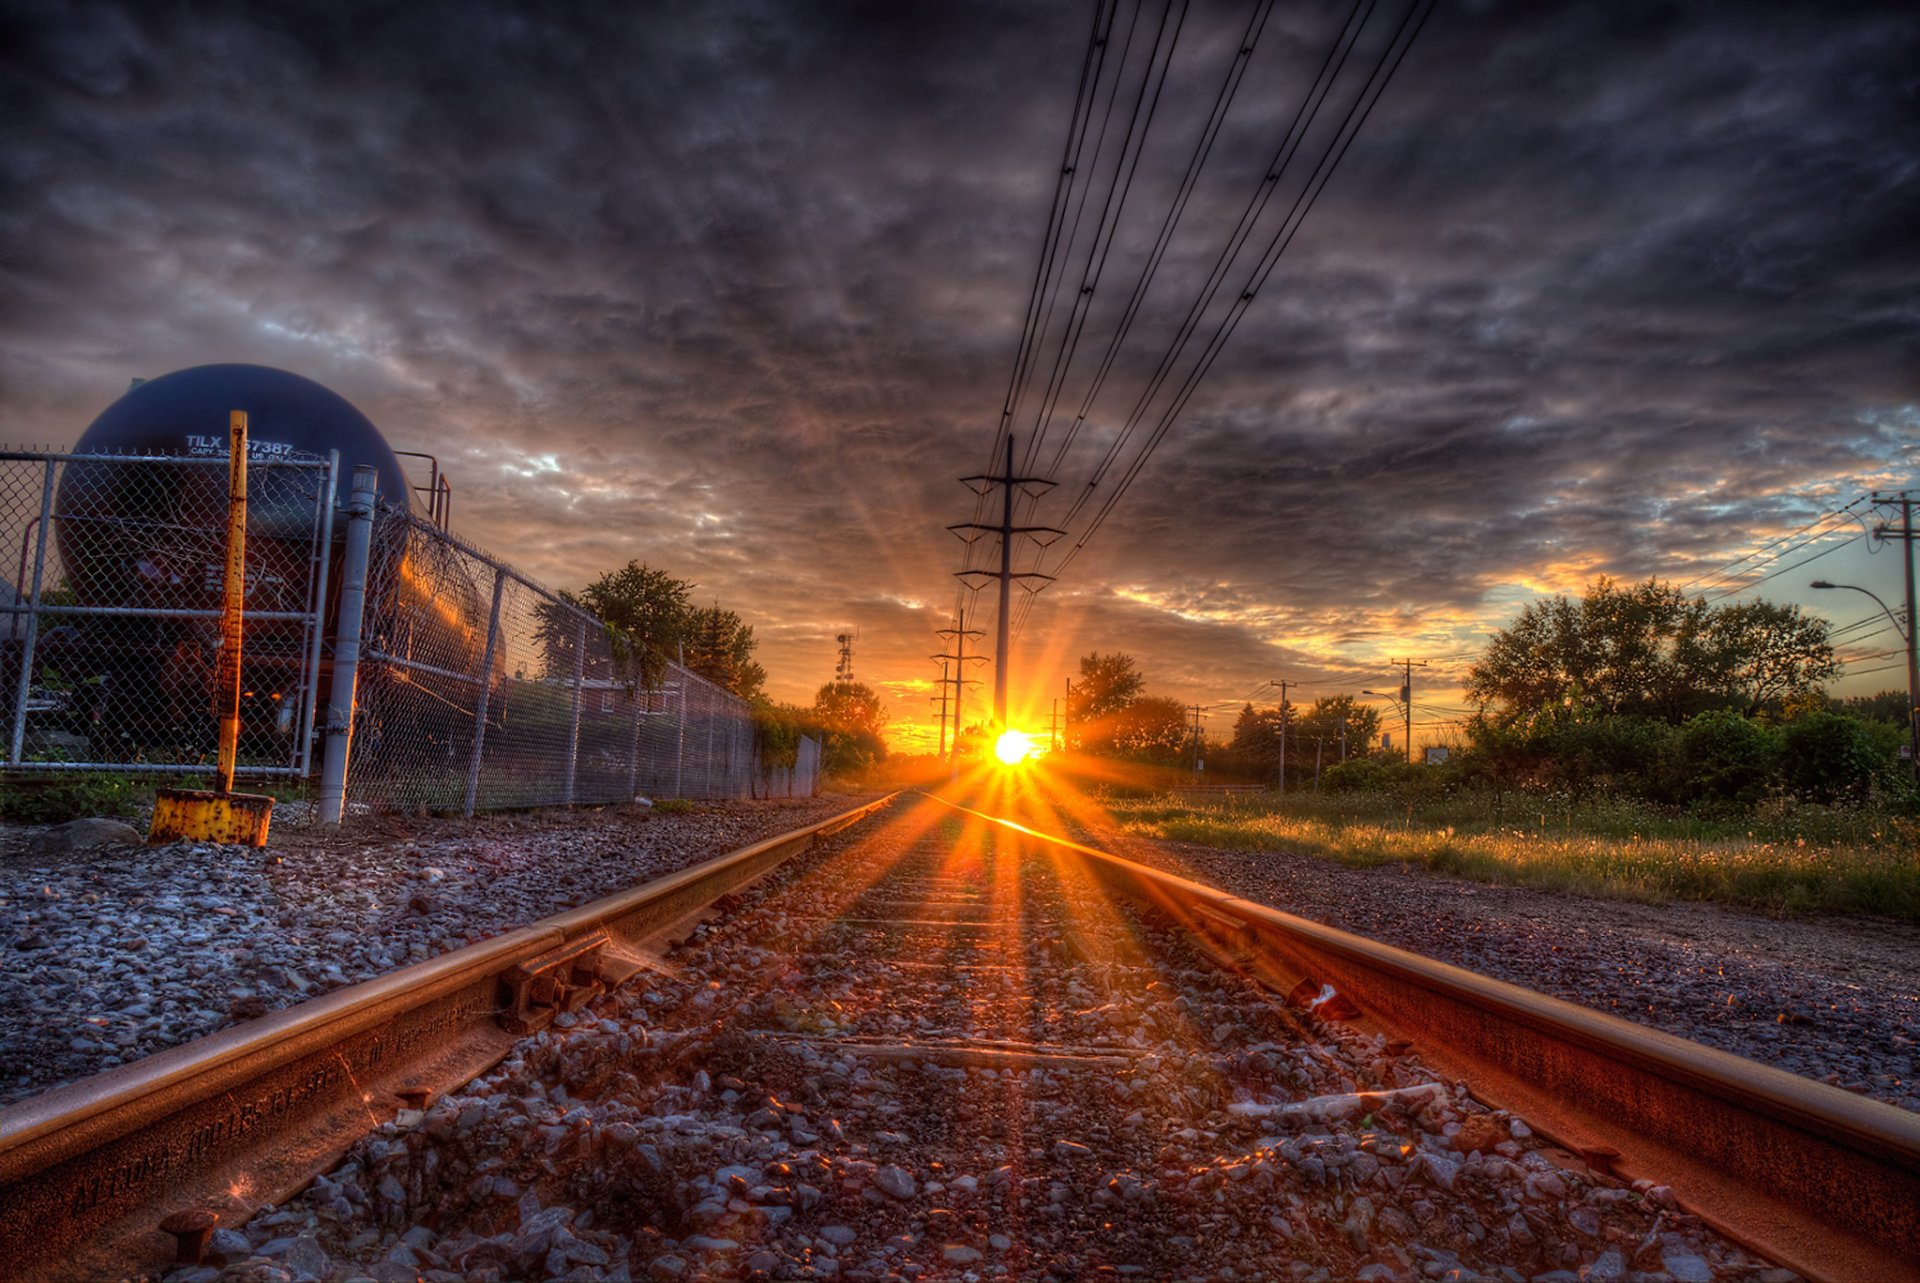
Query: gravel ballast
[
  {"x": 945, "y": 1058},
  {"x": 1831, "y": 998},
  {"x": 114, "y": 952}
]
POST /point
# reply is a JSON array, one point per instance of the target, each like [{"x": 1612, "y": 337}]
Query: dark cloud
[{"x": 735, "y": 289}]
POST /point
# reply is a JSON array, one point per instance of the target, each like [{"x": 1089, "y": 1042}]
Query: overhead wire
[
  {"x": 1113, "y": 206},
  {"x": 1346, "y": 40},
  {"x": 1369, "y": 96}
]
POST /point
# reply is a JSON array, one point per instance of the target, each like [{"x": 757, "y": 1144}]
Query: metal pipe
[
  {"x": 322, "y": 563},
  {"x": 486, "y": 693},
  {"x": 226, "y": 672},
  {"x": 18, "y": 741},
  {"x": 343, "y": 691}
]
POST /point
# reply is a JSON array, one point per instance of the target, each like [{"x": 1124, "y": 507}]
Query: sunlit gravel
[
  {"x": 942, "y": 1063},
  {"x": 118, "y": 952}
]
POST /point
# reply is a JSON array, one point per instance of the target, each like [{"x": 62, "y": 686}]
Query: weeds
[{"x": 1786, "y": 858}]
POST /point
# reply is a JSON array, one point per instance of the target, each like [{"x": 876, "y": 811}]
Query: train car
[{"x": 143, "y": 539}]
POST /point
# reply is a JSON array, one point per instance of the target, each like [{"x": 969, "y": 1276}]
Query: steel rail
[
  {"x": 1819, "y": 1179},
  {"x": 250, "y": 1114}
]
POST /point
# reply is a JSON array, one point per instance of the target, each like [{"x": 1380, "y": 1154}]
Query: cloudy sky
[{"x": 737, "y": 290}]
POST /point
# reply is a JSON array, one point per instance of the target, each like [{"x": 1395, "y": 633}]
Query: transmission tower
[
  {"x": 972, "y": 530},
  {"x": 843, "y": 671},
  {"x": 959, "y": 659}
]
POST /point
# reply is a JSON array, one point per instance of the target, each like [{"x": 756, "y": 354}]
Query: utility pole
[
  {"x": 959, "y": 659},
  {"x": 1283, "y": 731},
  {"x": 1905, "y": 536},
  {"x": 1006, "y": 530},
  {"x": 1406, "y": 696},
  {"x": 1319, "y": 742},
  {"x": 1343, "y": 737},
  {"x": 1053, "y": 731},
  {"x": 1196, "y": 739},
  {"x": 943, "y": 708}
]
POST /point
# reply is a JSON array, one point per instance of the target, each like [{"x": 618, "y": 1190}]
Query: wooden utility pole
[
  {"x": 1406, "y": 697},
  {"x": 1905, "y": 535},
  {"x": 1283, "y": 684}
]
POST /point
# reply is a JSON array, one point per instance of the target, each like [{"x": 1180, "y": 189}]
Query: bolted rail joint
[{"x": 564, "y": 978}]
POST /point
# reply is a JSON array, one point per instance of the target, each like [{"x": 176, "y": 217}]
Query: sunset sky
[{"x": 736, "y": 290}]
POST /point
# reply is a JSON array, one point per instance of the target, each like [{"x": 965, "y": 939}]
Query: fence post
[
  {"x": 343, "y": 692},
  {"x": 573, "y": 719},
  {"x": 680, "y": 742},
  {"x": 322, "y": 559},
  {"x": 486, "y": 691},
  {"x": 18, "y": 741},
  {"x": 633, "y": 749}
]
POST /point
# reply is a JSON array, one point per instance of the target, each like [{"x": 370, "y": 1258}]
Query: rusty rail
[
  {"x": 1816, "y": 1178},
  {"x": 90, "y": 1170}
]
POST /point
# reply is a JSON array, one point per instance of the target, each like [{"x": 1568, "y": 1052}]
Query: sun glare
[{"x": 1013, "y": 747}]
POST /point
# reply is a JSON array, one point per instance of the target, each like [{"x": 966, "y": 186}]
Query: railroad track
[{"x": 945, "y": 1046}]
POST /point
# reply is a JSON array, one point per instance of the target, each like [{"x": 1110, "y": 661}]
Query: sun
[{"x": 1013, "y": 747}]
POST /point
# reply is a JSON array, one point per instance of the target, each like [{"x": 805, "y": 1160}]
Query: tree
[
  {"x": 1647, "y": 650},
  {"x": 648, "y": 612},
  {"x": 1325, "y": 722},
  {"x": 854, "y": 717},
  {"x": 720, "y": 648},
  {"x": 1108, "y": 683},
  {"x": 1770, "y": 655},
  {"x": 1152, "y": 728}
]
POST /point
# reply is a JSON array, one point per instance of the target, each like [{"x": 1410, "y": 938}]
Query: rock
[
  {"x": 838, "y": 1235},
  {"x": 1686, "y": 1267},
  {"x": 84, "y": 835},
  {"x": 895, "y": 1182},
  {"x": 667, "y": 1268},
  {"x": 961, "y": 1254},
  {"x": 307, "y": 1259},
  {"x": 1478, "y": 1133},
  {"x": 702, "y": 1243},
  {"x": 763, "y": 1262},
  {"x": 1609, "y": 1267}
]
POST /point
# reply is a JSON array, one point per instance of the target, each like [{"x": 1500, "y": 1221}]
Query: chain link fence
[
  {"x": 111, "y": 622},
  {"x": 480, "y": 689}
]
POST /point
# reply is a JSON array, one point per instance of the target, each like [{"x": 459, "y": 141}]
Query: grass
[{"x": 1786, "y": 859}]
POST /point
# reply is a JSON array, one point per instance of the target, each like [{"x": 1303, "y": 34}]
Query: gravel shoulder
[
  {"x": 1831, "y": 998},
  {"x": 119, "y": 951}
]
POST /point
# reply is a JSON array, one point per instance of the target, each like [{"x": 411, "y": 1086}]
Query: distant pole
[
  {"x": 1053, "y": 736},
  {"x": 1283, "y": 732},
  {"x": 1318, "y": 743},
  {"x": 1406, "y": 697},
  {"x": 943, "y": 709},
  {"x": 1905, "y": 500},
  {"x": 958, "y": 658},
  {"x": 1196, "y": 739},
  {"x": 1343, "y": 737},
  {"x": 1913, "y": 637}
]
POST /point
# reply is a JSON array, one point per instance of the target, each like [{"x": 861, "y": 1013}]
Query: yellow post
[
  {"x": 226, "y": 682},
  {"x": 223, "y": 815}
]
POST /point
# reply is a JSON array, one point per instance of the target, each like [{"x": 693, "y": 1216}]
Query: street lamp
[
  {"x": 1408, "y": 711},
  {"x": 1907, "y": 635}
]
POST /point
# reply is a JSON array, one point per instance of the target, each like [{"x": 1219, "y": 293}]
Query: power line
[{"x": 1356, "y": 117}]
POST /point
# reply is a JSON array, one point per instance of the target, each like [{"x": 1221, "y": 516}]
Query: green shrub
[
  {"x": 1724, "y": 757},
  {"x": 1826, "y": 757}
]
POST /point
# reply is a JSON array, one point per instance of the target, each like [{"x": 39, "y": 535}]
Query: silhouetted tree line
[{"x": 1643, "y": 691}]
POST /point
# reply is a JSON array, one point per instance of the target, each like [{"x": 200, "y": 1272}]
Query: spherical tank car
[{"x": 146, "y": 539}]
